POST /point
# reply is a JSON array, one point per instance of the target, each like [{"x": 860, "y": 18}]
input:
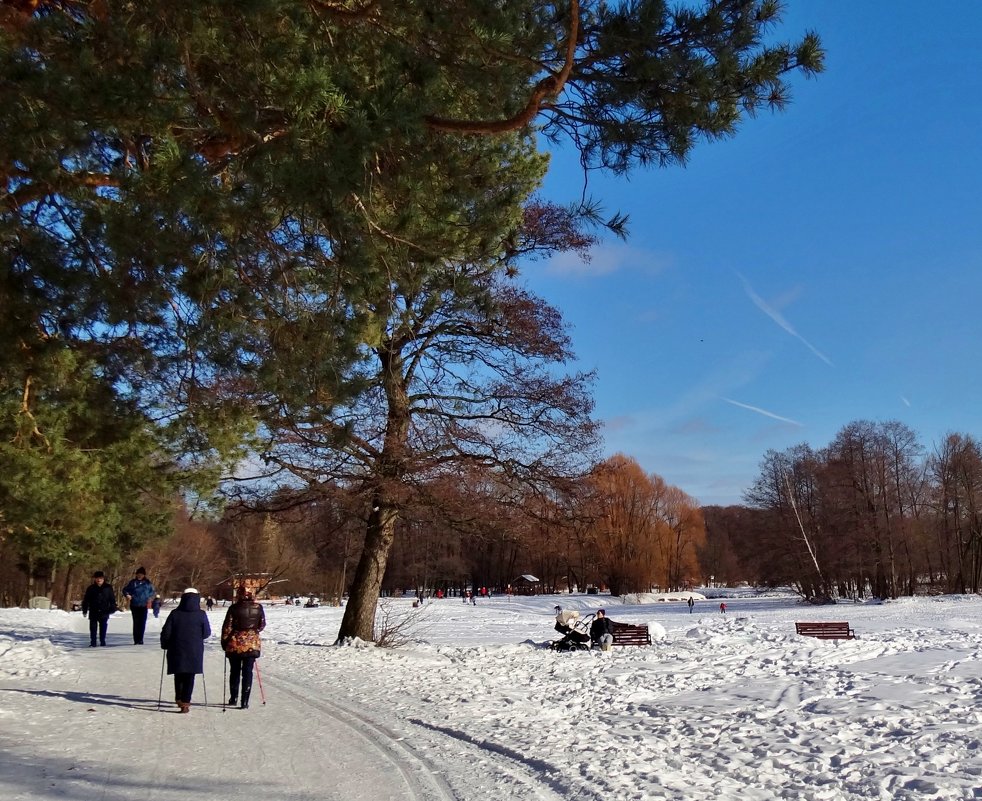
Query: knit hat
[
  {"x": 191, "y": 590},
  {"x": 98, "y": 574},
  {"x": 559, "y": 608},
  {"x": 141, "y": 572}
]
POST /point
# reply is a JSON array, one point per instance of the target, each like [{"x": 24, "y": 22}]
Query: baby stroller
[{"x": 575, "y": 637}]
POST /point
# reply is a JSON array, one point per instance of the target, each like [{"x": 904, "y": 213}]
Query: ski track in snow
[{"x": 733, "y": 706}]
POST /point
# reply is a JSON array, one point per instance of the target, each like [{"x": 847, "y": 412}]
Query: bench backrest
[
  {"x": 631, "y": 634},
  {"x": 825, "y": 630}
]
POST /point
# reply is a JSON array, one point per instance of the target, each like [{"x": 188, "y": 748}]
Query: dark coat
[
  {"x": 99, "y": 601},
  {"x": 183, "y": 636},
  {"x": 601, "y": 626}
]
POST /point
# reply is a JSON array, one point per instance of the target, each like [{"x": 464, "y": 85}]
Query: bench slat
[{"x": 631, "y": 634}]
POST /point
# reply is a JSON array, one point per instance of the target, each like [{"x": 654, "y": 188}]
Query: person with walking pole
[
  {"x": 240, "y": 641},
  {"x": 183, "y": 638}
]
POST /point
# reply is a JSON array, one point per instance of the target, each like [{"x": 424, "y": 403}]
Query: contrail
[
  {"x": 778, "y": 318},
  {"x": 764, "y": 412}
]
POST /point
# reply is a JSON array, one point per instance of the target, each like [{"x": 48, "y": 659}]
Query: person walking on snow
[
  {"x": 691, "y": 603},
  {"x": 183, "y": 637},
  {"x": 155, "y": 605},
  {"x": 722, "y": 608},
  {"x": 99, "y": 602},
  {"x": 139, "y": 591},
  {"x": 240, "y": 641}
]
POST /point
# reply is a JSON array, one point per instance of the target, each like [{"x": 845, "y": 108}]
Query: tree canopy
[{"x": 214, "y": 210}]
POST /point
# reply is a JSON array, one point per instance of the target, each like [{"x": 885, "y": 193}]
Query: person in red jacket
[{"x": 240, "y": 641}]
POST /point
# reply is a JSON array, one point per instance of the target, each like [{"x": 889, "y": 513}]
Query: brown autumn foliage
[{"x": 645, "y": 533}]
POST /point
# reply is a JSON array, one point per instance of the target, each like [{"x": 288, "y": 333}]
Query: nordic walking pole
[
  {"x": 224, "y": 683},
  {"x": 204, "y": 687},
  {"x": 160, "y": 692},
  {"x": 262, "y": 694}
]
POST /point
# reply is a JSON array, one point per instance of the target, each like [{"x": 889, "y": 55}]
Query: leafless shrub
[{"x": 397, "y": 624}]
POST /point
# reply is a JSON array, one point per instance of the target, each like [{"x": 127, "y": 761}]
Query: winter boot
[
  {"x": 233, "y": 700},
  {"x": 245, "y": 698}
]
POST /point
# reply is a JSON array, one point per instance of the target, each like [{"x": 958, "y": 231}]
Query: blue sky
[{"x": 821, "y": 267}]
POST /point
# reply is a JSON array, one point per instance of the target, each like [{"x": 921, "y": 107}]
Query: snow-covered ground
[{"x": 732, "y": 706}]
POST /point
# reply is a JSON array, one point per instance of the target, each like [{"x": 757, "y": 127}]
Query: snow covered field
[{"x": 731, "y": 706}]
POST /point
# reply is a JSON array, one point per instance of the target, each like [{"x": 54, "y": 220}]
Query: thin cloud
[
  {"x": 906, "y": 402},
  {"x": 604, "y": 259},
  {"x": 619, "y": 423},
  {"x": 778, "y": 318},
  {"x": 764, "y": 412}
]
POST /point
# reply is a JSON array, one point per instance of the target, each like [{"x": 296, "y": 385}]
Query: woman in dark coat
[
  {"x": 240, "y": 641},
  {"x": 183, "y": 637}
]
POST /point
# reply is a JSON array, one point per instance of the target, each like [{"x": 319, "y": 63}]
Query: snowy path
[
  {"x": 474, "y": 709},
  {"x": 112, "y": 743},
  {"x": 89, "y": 727}
]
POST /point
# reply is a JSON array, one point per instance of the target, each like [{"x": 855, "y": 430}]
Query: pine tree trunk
[{"x": 359, "y": 614}]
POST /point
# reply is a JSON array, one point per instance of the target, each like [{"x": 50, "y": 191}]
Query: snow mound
[{"x": 29, "y": 658}]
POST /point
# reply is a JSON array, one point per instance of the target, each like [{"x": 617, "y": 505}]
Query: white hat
[{"x": 190, "y": 590}]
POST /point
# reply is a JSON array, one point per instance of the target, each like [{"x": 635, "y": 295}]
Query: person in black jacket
[
  {"x": 240, "y": 641},
  {"x": 602, "y": 630},
  {"x": 99, "y": 602},
  {"x": 183, "y": 637}
]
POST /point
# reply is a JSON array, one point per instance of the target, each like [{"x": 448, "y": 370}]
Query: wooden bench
[
  {"x": 825, "y": 631},
  {"x": 631, "y": 634}
]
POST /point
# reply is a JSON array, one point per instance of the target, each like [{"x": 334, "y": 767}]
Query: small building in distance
[
  {"x": 526, "y": 584},
  {"x": 256, "y": 583}
]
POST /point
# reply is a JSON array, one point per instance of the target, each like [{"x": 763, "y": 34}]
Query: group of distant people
[
  {"x": 184, "y": 632},
  {"x": 99, "y": 604}
]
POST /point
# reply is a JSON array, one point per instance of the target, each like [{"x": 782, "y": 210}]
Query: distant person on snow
[
  {"x": 139, "y": 592},
  {"x": 691, "y": 603},
  {"x": 183, "y": 637},
  {"x": 602, "y": 630},
  {"x": 722, "y": 608},
  {"x": 99, "y": 602},
  {"x": 155, "y": 605},
  {"x": 240, "y": 641}
]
